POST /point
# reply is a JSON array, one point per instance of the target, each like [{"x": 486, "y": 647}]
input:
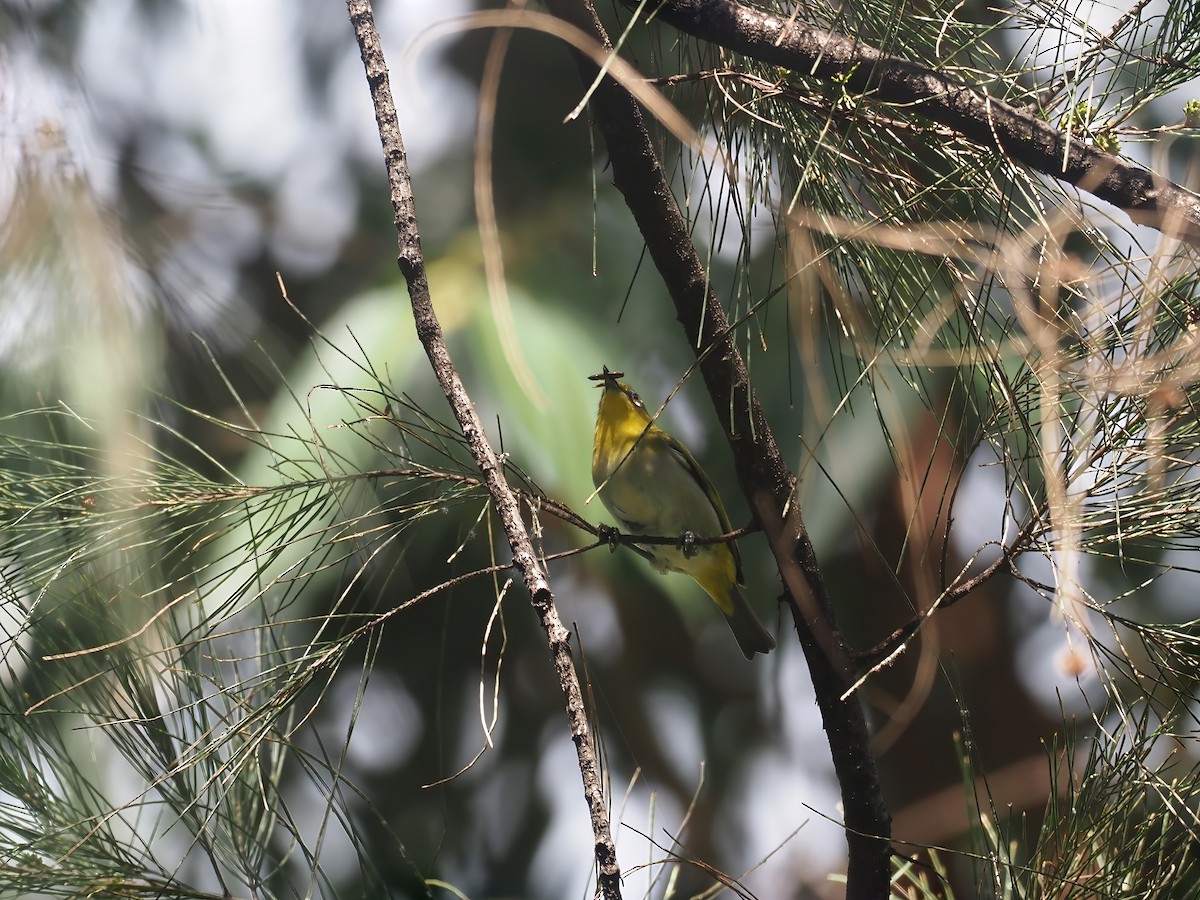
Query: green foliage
[
  {"x": 190, "y": 618},
  {"x": 1078, "y": 118},
  {"x": 1111, "y": 827},
  {"x": 1107, "y": 141},
  {"x": 1036, "y": 326},
  {"x": 200, "y": 604},
  {"x": 1081, "y": 119}
]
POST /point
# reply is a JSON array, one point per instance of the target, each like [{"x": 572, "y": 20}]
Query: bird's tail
[{"x": 751, "y": 636}]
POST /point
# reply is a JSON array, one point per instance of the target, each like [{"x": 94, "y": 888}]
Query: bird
[{"x": 652, "y": 485}]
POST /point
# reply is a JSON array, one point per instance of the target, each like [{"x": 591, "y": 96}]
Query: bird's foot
[
  {"x": 687, "y": 543},
  {"x": 610, "y": 536}
]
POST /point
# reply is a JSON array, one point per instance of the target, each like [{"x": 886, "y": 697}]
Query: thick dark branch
[
  {"x": 765, "y": 479},
  {"x": 1017, "y": 133},
  {"x": 429, "y": 330}
]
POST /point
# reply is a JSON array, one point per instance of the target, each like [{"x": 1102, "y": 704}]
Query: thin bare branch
[{"x": 506, "y": 501}]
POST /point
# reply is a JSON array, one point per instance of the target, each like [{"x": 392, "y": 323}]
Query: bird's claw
[
  {"x": 609, "y": 535},
  {"x": 687, "y": 543}
]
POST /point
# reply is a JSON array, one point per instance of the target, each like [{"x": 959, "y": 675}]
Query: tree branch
[
  {"x": 429, "y": 330},
  {"x": 1147, "y": 198},
  {"x": 765, "y": 479}
]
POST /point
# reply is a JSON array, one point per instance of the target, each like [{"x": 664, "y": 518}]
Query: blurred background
[{"x": 219, "y": 163}]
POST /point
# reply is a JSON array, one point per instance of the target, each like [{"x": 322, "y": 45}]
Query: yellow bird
[{"x": 653, "y": 485}]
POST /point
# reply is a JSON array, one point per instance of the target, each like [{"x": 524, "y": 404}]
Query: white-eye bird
[{"x": 653, "y": 485}]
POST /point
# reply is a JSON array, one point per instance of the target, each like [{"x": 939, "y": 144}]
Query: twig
[
  {"x": 818, "y": 104},
  {"x": 1019, "y": 134},
  {"x": 1005, "y": 560},
  {"x": 1107, "y": 41},
  {"x": 765, "y": 480},
  {"x": 612, "y": 537},
  {"x": 429, "y": 330}
]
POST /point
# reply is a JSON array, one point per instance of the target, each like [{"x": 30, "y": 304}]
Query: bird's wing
[{"x": 685, "y": 456}]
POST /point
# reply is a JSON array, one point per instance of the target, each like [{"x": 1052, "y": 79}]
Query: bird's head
[{"x": 622, "y": 412}]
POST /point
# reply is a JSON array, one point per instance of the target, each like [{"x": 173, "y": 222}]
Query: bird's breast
[{"x": 651, "y": 492}]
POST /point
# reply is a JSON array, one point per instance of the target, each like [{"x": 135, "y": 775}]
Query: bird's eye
[{"x": 637, "y": 401}]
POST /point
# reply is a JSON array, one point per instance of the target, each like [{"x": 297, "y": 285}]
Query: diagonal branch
[
  {"x": 1019, "y": 134},
  {"x": 429, "y": 330},
  {"x": 767, "y": 483}
]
